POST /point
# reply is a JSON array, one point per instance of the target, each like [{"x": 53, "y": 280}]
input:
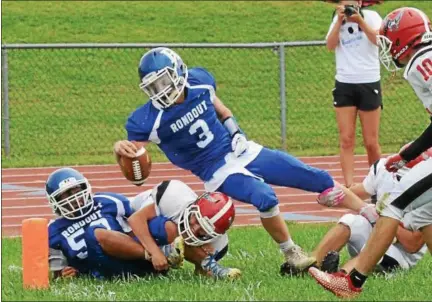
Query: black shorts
[{"x": 365, "y": 97}]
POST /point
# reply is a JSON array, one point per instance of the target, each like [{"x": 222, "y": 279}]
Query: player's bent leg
[
  {"x": 334, "y": 240},
  {"x": 379, "y": 241},
  {"x": 253, "y": 191}
]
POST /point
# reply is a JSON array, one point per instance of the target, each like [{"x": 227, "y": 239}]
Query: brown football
[{"x": 136, "y": 169}]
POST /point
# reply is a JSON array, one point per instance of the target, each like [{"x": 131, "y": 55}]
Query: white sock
[{"x": 287, "y": 245}]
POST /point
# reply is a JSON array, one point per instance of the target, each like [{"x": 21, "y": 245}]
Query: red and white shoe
[{"x": 338, "y": 283}]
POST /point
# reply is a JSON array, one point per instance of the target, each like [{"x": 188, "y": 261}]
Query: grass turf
[{"x": 251, "y": 250}]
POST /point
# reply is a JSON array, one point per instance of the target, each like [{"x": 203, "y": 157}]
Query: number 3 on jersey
[{"x": 205, "y": 135}]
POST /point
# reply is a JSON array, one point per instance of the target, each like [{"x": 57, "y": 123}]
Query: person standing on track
[{"x": 353, "y": 37}]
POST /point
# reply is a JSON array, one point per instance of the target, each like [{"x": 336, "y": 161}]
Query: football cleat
[
  {"x": 330, "y": 263},
  {"x": 337, "y": 283},
  {"x": 297, "y": 261}
]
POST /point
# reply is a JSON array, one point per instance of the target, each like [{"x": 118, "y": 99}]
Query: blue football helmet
[
  {"x": 69, "y": 193},
  {"x": 163, "y": 76}
]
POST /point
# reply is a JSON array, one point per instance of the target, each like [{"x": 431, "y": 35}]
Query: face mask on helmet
[
  {"x": 164, "y": 76},
  {"x": 385, "y": 56},
  {"x": 198, "y": 228},
  {"x": 69, "y": 195}
]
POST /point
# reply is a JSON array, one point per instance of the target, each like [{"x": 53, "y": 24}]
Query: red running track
[{"x": 23, "y": 192}]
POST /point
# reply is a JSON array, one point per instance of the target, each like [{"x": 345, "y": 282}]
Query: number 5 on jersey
[{"x": 76, "y": 240}]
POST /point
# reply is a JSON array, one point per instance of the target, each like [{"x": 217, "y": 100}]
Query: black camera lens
[{"x": 349, "y": 10}]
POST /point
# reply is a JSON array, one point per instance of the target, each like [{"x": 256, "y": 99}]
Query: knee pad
[
  {"x": 264, "y": 198},
  {"x": 270, "y": 213},
  {"x": 360, "y": 230},
  {"x": 331, "y": 197},
  {"x": 157, "y": 229},
  {"x": 353, "y": 221}
]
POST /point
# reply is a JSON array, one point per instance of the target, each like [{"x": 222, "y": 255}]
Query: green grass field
[
  {"x": 251, "y": 250},
  {"x": 69, "y": 106}
]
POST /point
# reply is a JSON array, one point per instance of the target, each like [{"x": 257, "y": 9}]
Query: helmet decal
[{"x": 393, "y": 24}]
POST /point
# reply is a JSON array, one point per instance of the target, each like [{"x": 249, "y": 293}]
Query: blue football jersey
[
  {"x": 110, "y": 210},
  {"x": 190, "y": 134}
]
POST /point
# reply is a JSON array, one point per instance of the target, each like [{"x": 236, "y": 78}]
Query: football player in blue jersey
[
  {"x": 197, "y": 132},
  {"x": 92, "y": 236}
]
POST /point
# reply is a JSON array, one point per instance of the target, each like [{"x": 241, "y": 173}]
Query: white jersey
[
  {"x": 357, "y": 59},
  {"x": 381, "y": 182},
  {"x": 170, "y": 198},
  {"x": 418, "y": 73}
]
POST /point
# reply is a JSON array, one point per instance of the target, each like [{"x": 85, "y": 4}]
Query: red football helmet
[
  {"x": 214, "y": 213},
  {"x": 401, "y": 32}
]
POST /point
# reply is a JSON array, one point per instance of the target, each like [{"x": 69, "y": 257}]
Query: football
[{"x": 136, "y": 169}]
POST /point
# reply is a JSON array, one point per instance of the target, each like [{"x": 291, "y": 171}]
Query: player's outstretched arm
[
  {"x": 360, "y": 191},
  {"x": 421, "y": 144}
]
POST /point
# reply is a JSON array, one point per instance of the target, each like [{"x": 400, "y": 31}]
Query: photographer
[{"x": 353, "y": 36}]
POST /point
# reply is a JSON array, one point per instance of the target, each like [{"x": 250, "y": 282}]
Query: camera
[{"x": 350, "y": 10}]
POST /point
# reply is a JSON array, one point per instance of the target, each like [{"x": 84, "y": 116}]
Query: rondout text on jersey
[
  {"x": 81, "y": 223},
  {"x": 189, "y": 117}
]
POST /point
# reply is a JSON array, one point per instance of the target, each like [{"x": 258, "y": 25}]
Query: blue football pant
[{"x": 276, "y": 168}]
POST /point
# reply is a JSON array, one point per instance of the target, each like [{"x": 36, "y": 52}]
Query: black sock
[
  {"x": 389, "y": 264},
  {"x": 357, "y": 279}
]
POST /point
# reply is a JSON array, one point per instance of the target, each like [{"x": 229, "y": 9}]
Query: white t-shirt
[
  {"x": 379, "y": 181},
  {"x": 357, "y": 59},
  {"x": 418, "y": 74}
]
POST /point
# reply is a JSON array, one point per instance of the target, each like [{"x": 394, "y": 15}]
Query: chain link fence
[{"x": 67, "y": 104}]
